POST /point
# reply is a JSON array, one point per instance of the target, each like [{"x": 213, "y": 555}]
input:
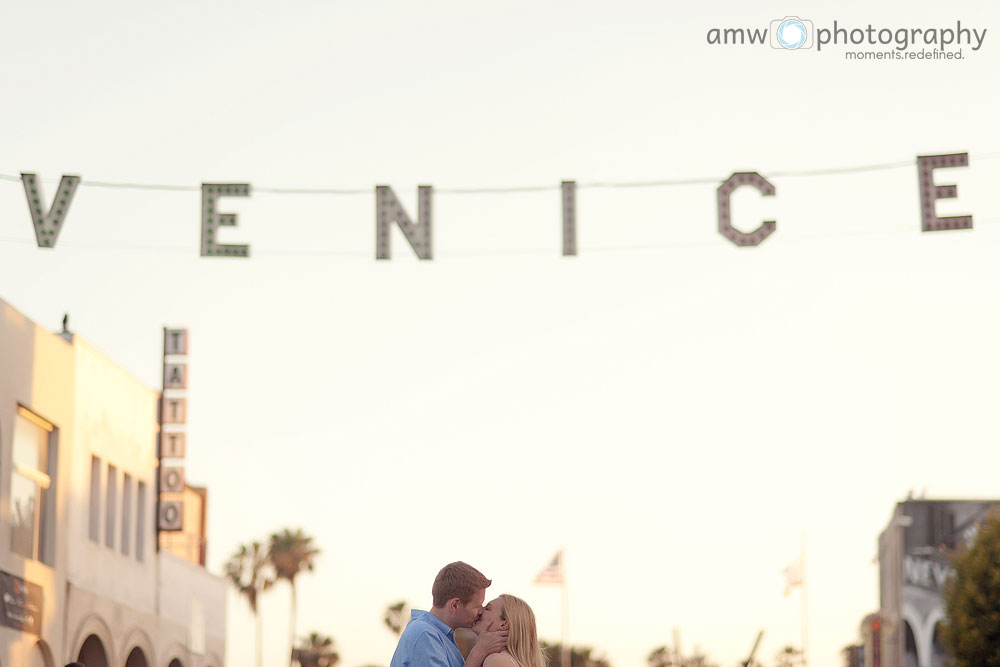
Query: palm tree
[
  {"x": 579, "y": 656},
  {"x": 789, "y": 657},
  {"x": 291, "y": 553},
  {"x": 249, "y": 570},
  {"x": 316, "y": 651},
  {"x": 395, "y": 617},
  {"x": 661, "y": 656}
]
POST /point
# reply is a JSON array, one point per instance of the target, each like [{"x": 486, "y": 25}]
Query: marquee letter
[
  {"x": 929, "y": 193},
  {"x": 172, "y": 444},
  {"x": 171, "y": 517},
  {"x": 171, "y": 479},
  {"x": 175, "y": 376},
  {"x": 174, "y": 410},
  {"x": 725, "y": 215},
  {"x": 211, "y": 219},
  {"x": 569, "y": 218},
  {"x": 48, "y": 224},
  {"x": 388, "y": 210},
  {"x": 174, "y": 341}
]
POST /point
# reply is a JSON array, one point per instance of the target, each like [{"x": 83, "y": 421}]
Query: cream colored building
[{"x": 81, "y": 577}]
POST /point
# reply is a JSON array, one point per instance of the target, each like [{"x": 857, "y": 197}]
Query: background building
[
  {"x": 913, "y": 566},
  {"x": 82, "y": 576}
]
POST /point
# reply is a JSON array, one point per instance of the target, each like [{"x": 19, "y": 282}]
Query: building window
[
  {"x": 95, "y": 499},
  {"x": 140, "y": 527},
  {"x": 112, "y": 501},
  {"x": 126, "y": 512},
  {"x": 31, "y": 479}
]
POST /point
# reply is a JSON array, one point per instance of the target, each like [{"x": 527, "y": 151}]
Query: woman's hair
[{"x": 522, "y": 643}]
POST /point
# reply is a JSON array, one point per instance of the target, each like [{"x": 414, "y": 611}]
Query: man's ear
[{"x": 453, "y": 604}]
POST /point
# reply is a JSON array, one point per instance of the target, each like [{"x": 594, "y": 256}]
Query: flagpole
[
  {"x": 565, "y": 657},
  {"x": 805, "y": 605}
]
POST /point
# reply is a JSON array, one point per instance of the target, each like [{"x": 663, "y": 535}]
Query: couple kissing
[{"x": 505, "y": 627}]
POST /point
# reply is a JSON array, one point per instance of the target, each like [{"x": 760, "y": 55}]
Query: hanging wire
[{"x": 707, "y": 180}]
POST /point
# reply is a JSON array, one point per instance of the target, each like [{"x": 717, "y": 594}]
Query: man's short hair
[{"x": 457, "y": 580}]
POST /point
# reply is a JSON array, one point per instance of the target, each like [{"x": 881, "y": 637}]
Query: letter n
[{"x": 388, "y": 210}]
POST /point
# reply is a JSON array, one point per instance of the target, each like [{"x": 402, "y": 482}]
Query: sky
[{"x": 679, "y": 414}]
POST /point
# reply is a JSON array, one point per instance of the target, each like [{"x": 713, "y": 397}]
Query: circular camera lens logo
[{"x": 792, "y": 34}]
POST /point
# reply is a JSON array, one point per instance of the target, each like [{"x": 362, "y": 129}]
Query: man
[{"x": 429, "y": 638}]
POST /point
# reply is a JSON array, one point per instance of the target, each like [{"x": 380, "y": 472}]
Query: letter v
[{"x": 48, "y": 224}]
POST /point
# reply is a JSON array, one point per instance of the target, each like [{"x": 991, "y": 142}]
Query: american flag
[
  {"x": 793, "y": 575},
  {"x": 553, "y": 573}
]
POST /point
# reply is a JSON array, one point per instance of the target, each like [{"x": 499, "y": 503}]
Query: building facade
[
  {"x": 82, "y": 573},
  {"x": 913, "y": 566}
]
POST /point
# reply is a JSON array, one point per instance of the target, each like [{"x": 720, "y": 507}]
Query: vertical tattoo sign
[{"x": 173, "y": 436}]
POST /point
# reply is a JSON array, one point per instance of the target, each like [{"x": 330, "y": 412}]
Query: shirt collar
[{"x": 433, "y": 620}]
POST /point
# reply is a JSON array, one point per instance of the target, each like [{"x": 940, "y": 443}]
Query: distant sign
[
  {"x": 22, "y": 604},
  {"x": 173, "y": 411},
  {"x": 927, "y": 573}
]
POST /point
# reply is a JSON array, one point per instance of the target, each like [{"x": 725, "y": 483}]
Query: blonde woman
[{"x": 513, "y": 614}]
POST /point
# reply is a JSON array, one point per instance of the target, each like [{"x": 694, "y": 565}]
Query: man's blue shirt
[{"x": 427, "y": 641}]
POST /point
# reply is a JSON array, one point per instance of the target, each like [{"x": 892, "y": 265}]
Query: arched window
[
  {"x": 910, "y": 656},
  {"x": 92, "y": 653},
  {"x": 41, "y": 655},
  {"x": 136, "y": 658},
  {"x": 939, "y": 654}
]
